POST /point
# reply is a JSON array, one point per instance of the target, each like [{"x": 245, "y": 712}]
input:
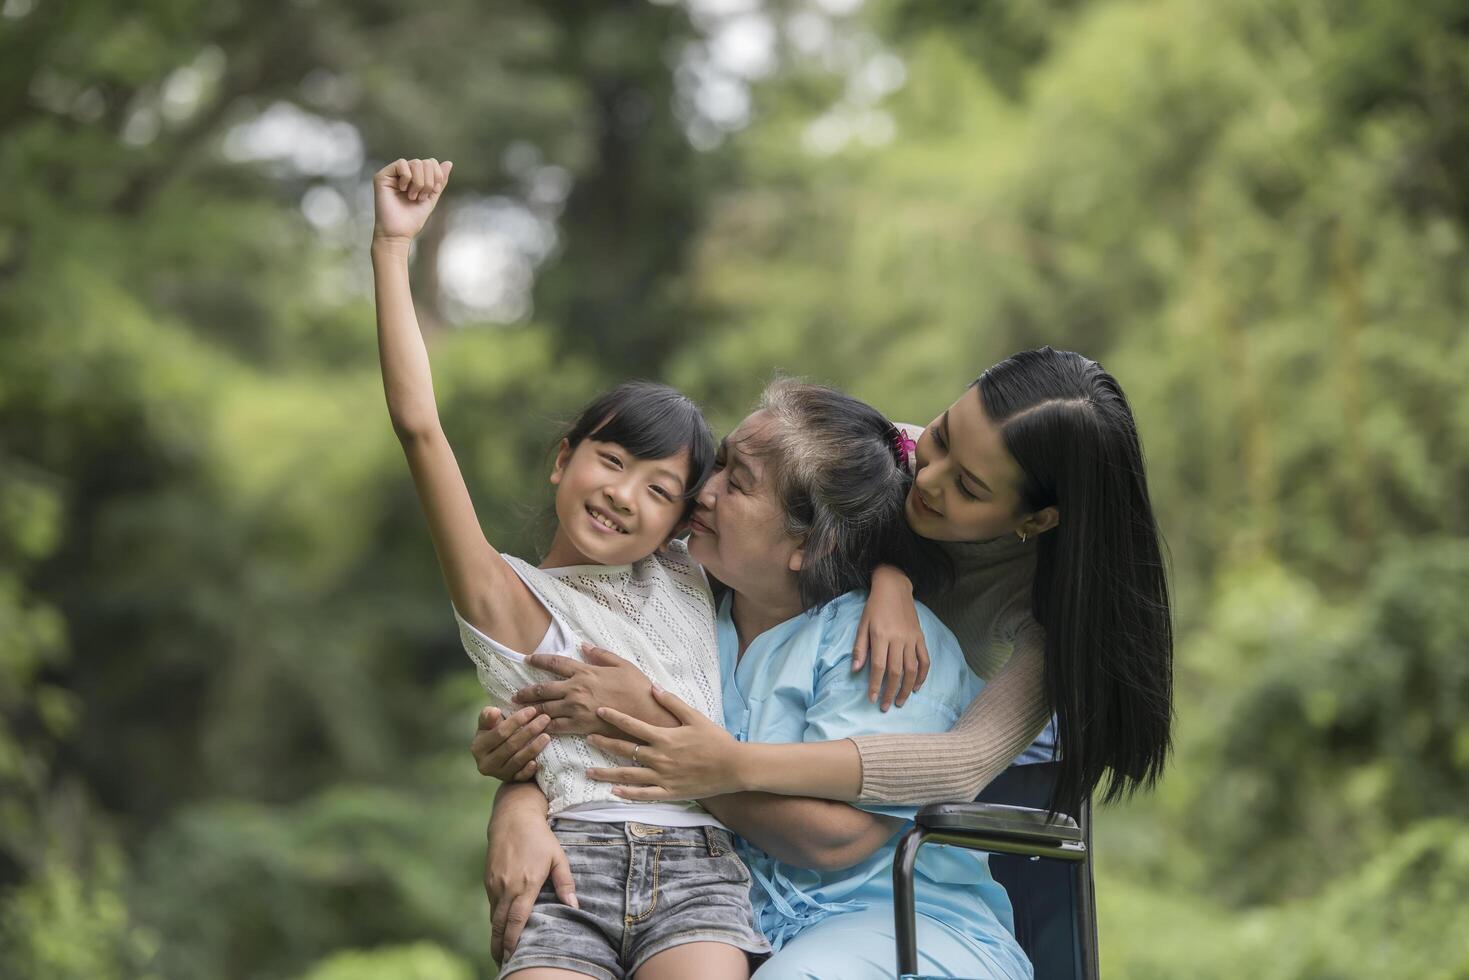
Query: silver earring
[{"x": 1022, "y": 536}]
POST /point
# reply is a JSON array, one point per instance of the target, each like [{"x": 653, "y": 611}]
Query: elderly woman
[{"x": 808, "y": 500}]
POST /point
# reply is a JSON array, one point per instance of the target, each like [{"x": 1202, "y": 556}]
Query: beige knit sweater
[{"x": 989, "y": 611}]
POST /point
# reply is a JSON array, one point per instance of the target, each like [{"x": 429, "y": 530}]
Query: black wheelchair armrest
[
  {"x": 995, "y": 827},
  {"x": 1002, "y": 828},
  {"x": 1061, "y": 941}
]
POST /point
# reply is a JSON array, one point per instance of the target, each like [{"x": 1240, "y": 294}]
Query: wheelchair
[{"x": 1041, "y": 863}]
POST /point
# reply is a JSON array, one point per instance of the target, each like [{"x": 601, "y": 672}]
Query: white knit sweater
[{"x": 657, "y": 613}]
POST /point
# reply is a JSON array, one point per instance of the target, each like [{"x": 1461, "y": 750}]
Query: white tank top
[{"x": 657, "y": 613}]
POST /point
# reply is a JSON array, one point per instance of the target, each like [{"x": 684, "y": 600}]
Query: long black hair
[{"x": 1101, "y": 589}]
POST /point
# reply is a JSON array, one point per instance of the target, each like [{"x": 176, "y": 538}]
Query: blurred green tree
[{"x": 232, "y": 710}]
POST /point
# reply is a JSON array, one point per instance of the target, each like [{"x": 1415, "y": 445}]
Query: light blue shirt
[{"x": 795, "y": 683}]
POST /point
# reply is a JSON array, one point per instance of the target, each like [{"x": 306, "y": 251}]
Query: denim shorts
[{"x": 641, "y": 889}]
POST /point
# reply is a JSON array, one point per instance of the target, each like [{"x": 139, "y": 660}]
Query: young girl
[{"x": 659, "y": 885}]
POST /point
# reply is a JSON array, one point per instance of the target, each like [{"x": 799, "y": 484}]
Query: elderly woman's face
[{"x": 738, "y": 528}]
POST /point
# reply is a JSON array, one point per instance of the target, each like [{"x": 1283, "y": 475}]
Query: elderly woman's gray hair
[{"x": 841, "y": 477}]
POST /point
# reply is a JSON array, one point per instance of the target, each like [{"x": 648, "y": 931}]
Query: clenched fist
[{"x": 404, "y": 194}]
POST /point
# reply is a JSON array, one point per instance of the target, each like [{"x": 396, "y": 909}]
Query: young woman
[
  {"x": 807, "y": 500},
  {"x": 625, "y": 475}
]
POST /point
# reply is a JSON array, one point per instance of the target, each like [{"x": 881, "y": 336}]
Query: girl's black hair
[
  {"x": 841, "y": 478},
  {"x": 1100, "y": 589},
  {"x": 651, "y": 421}
]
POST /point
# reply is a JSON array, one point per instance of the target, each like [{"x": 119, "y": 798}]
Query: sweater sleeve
[{"x": 1009, "y": 713}]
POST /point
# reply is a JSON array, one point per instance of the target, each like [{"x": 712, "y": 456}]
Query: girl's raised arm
[{"x": 484, "y": 588}]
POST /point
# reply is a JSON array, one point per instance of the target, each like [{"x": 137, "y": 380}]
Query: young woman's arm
[
  {"x": 1007, "y": 716},
  {"x": 484, "y": 589},
  {"x": 699, "y": 759}
]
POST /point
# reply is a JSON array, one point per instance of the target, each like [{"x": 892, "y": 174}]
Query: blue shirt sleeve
[{"x": 839, "y": 707}]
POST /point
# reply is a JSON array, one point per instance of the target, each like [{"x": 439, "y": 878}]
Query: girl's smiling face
[
  {"x": 967, "y": 485},
  {"x": 613, "y": 508}
]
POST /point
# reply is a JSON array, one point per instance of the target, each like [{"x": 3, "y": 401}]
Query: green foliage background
[{"x": 233, "y": 712}]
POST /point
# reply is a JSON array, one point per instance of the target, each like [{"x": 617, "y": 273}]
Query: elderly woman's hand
[
  {"x": 506, "y": 748},
  {"x": 604, "y": 679},
  {"x": 696, "y": 760},
  {"x": 522, "y": 854}
]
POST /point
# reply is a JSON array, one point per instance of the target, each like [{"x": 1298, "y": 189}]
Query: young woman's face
[
  {"x": 737, "y": 531},
  {"x": 614, "y": 508},
  {"x": 967, "y": 485}
]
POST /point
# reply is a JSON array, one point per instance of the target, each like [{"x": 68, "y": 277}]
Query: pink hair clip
[{"x": 904, "y": 446}]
